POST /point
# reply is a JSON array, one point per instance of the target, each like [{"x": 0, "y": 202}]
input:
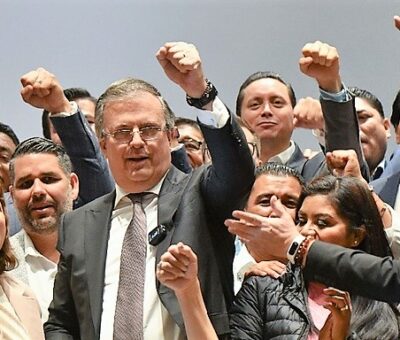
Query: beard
[{"x": 47, "y": 224}]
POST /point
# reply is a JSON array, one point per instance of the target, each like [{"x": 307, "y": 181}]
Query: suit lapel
[
  {"x": 97, "y": 228},
  {"x": 389, "y": 190},
  {"x": 168, "y": 202}
]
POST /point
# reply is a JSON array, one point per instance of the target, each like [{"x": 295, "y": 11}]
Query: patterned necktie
[{"x": 128, "y": 318}]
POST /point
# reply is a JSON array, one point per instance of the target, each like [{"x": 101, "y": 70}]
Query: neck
[
  {"x": 270, "y": 149},
  {"x": 46, "y": 244}
]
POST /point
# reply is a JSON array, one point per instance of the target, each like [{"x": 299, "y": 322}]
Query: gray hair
[{"x": 125, "y": 88}]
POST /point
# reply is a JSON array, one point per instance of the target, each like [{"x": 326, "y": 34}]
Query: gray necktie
[{"x": 128, "y": 319}]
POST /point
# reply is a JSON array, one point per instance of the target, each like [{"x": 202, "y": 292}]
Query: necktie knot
[{"x": 140, "y": 197}]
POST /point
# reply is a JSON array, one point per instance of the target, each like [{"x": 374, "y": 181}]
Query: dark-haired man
[
  {"x": 43, "y": 187},
  {"x": 8, "y": 143}
]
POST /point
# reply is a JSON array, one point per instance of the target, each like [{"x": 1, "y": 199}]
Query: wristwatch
[
  {"x": 208, "y": 95},
  {"x": 294, "y": 247}
]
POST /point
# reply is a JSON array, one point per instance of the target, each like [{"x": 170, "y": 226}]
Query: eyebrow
[{"x": 44, "y": 174}]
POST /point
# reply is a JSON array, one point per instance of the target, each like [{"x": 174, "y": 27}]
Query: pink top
[{"x": 319, "y": 314}]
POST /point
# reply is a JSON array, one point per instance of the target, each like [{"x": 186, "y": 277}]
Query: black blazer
[
  {"x": 355, "y": 271},
  {"x": 341, "y": 133},
  {"x": 194, "y": 205}
]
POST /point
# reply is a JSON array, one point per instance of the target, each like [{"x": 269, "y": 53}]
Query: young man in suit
[{"x": 135, "y": 127}]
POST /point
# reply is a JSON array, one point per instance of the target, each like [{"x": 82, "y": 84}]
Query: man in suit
[
  {"x": 43, "y": 187},
  {"x": 266, "y": 103},
  {"x": 134, "y": 130}
]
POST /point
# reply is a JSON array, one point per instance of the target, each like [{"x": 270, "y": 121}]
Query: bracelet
[
  {"x": 301, "y": 251},
  {"x": 208, "y": 95}
]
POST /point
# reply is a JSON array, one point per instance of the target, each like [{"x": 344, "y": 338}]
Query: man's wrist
[{"x": 66, "y": 110}]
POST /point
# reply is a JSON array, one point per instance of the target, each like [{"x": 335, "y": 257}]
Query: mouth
[
  {"x": 42, "y": 209},
  {"x": 266, "y": 124},
  {"x": 137, "y": 159}
]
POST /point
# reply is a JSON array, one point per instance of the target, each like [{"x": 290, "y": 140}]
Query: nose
[
  {"x": 309, "y": 230},
  {"x": 266, "y": 109},
  {"x": 38, "y": 190},
  {"x": 136, "y": 140}
]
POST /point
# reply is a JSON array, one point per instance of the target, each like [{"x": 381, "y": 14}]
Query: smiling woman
[{"x": 19, "y": 310}]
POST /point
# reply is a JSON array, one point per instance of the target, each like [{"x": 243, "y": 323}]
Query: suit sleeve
[
  {"x": 88, "y": 162},
  {"x": 62, "y": 323},
  {"x": 230, "y": 177},
  {"x": 357, "y": 272},
  {"x": 342, "y": 130},
  {"x": 245, "y": 316}
]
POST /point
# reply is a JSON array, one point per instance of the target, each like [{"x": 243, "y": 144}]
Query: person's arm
[
  {"x": 178, "y": 271},
  {"x": 321, "y": 62},
  {"x": 355, "y": 271},
  {"x": 231, "y": 175},
  {"x": 83, "y": 148}
]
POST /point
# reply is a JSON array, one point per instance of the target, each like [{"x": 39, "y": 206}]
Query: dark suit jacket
[
  {"x": 387, "y": 187},
  {"x": 341, "y": 133},
  {"x": 194, "y": 205},
  {"x": 355, "y": 271},
  {"x": 87, "y": 159}
]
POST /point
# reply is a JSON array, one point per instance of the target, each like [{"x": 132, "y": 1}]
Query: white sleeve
[
  {"x": 393, "y": 232},
  {"x": 216, "y": 118}
]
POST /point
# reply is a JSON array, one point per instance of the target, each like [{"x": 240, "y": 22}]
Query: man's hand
[
  {"x": 178, "y": 268},
  {"x": 265, "y": 237},
  {"x": 41, "y": 89},
  {"x": 397, "y": 21},
  {"x": 321, "y": 62},
  {"x": 308, "y": 114},
  {"x": 271, "y": 268},
  {"x": 344, "y": 163},
  {"x": 182, "y": 64}
]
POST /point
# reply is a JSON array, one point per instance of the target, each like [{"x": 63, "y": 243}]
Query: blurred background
[{"x": 92, "y": 43}]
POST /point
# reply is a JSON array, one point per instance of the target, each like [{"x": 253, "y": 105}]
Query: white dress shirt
[{"x": 41, "y": 273}]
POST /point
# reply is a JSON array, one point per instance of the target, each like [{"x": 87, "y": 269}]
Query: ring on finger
[{"x": 346, "y": 307}]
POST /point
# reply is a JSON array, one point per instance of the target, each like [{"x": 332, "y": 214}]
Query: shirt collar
[
  {"x": 121, "y": 194},
  {"x": 285, "y": 155},
  {"x": 30, "y": 249}
]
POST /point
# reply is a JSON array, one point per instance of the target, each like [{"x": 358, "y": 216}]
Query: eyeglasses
[
  {"x": 191, "y": 144},
  {"x": 126, "y": 135},
  {"x": 252, "y": 146}
]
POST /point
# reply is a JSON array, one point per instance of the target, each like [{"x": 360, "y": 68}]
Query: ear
[
  {"x": 11, "y": 190},
  {"x": 386, "y": 124},
  {"x": 102, "y": 142},
  {"x": 171, "y": 135},
  {"x": 358, "y": 236},
  {"x": 74, "y": 182}
]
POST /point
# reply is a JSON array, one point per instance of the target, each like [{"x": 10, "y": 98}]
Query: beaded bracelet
[{"x": 301, "y": 251}]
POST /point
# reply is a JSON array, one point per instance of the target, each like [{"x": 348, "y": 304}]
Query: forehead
[
  {"x": 362, "y": 105},
  {"x": 189, "y": 131},
  {"x": 276, "y": 185},
  {"x": 264, "y": 87},
  {"x": 318, "y": 204},
  {"x": 6, "y": 143},
  {"x": 138, "y": 108},
  {"x": 34, "y": 165}
]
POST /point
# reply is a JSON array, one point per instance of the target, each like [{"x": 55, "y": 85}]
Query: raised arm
[
  {"x": 42, "y": 89},
  {"x": 178, "y": 271},
  {"x": 321, "y": 62}
]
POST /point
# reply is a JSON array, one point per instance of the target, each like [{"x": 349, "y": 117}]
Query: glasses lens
[
  {"x": 122, "y": 135},
  {"x": 149, "y": 133},
  {"x": 191, "y": 145}
]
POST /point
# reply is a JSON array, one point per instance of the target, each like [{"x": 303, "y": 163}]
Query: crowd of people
[{"x": 125, "y": 221}]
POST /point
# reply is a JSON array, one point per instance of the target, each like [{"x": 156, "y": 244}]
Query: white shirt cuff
[{"x": 216, "y": 118}]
